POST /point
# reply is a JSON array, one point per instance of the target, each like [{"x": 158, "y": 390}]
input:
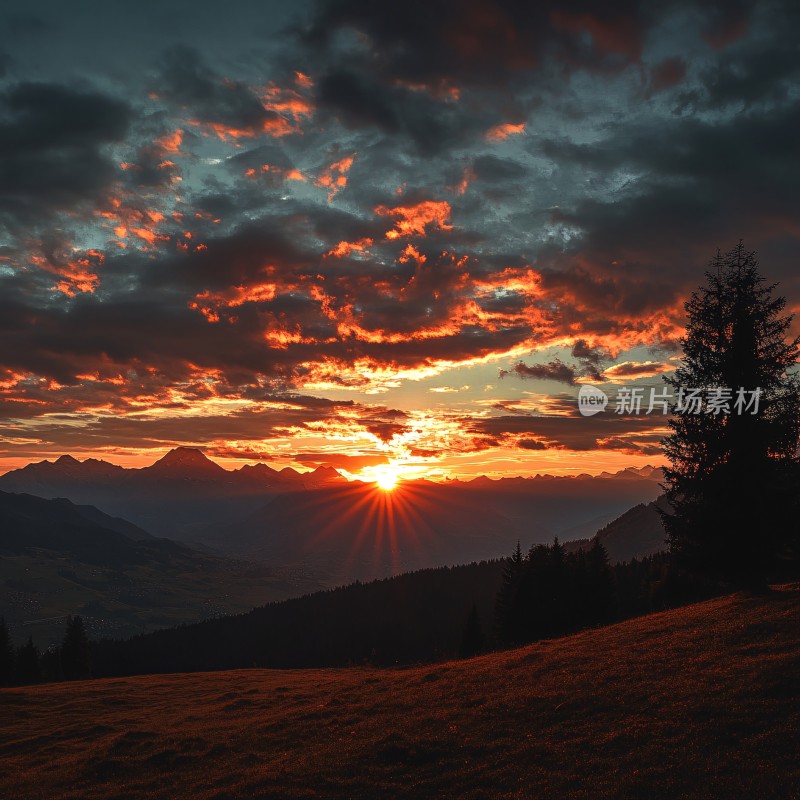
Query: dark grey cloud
[
  {"x": 634, "y": 434},
  {"x": 24, "y": 25},
  {"x": 359, "y": 101},
  {"x": 53, "y": 154},
  {"x": 451, "y": 42},
  {"x": 754, "y": 71},
  {"x": 592, "y": 359},
  {"x": 555, "y": 370},
  {"x": 186, "y": 80}
]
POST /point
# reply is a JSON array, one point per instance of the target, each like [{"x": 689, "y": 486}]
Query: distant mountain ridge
[
  {"x": 181, "y": 490},
  {"x": 637, "y": 533},
  {"x": 299, "y": 532},
  {"x": 191, "y": 462},
  {"x": 28, "y": 522},
  {"x": 321, "y": 521}
]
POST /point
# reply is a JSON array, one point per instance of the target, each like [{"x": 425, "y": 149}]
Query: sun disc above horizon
[{"x": 385, "y": 476}]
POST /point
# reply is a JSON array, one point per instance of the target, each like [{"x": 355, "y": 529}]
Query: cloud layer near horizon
[{"x": 373, "y": 230}]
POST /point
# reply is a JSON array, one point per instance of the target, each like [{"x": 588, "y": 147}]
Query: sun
[
  {"x": 385, "y": 476},
  {"x": 387, "y": 482}
]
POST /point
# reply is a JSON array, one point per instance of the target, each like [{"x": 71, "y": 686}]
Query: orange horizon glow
[
  {"x": 388, "y": 477},
  {"x": 385, "y": 476}
]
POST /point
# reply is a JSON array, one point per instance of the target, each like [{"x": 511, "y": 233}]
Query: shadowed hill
[
  {"x": 699, "y": 703},
  {"x": 28, "y": 522},
  {"x": 57, "y": 558},
  {"x": 637, "y": 533}
]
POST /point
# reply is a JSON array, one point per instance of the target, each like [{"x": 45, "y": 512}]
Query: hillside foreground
[{"x": 699, "y": 702}]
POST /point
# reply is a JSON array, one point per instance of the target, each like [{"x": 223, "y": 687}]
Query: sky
[{"x": 377, "y": 236}]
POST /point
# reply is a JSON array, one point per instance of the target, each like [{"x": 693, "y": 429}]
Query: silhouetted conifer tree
[
  {"x": 6, "y": 654},
  {"x": 535, "y": 595},
  {"x": 599, "y": 585},
  {"x": 472, "y": 639},
  {"x": 732, "y": 481},
  {"x": 75, "y": 657},
  {"x": 507, "y": 613},
  {"x": 28, "y": 669},
  {"x": 51, "y": 664}
]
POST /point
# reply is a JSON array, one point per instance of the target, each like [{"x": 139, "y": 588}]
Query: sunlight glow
[
  {"x": 387, "y": 482},
  {"x": 385, "y": 476}
]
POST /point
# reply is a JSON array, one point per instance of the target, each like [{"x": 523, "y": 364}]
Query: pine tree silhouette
[
  {"x": 472, "y": 639},
  {"x": 28, "y": 669},
  {"x": 6, "y": 654},
  {"x": 75, "y": 657},
  {"x": 507, "y": 606},
  {"x": 599, "y": 585},
  {"x": 732, "y": 481},
  {"x": 51, "y": 664}
]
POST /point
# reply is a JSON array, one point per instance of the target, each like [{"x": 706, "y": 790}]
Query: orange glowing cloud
[
  {"x": 412, "y": 254},
  {"x": 334, "y": 177},
  {"x": 467, "y": 178},
  {"x": 279, "y": 338},
  {"x": 521, "y": 280},
  {"x": 503, "y": 131},
  {"x": 344, "y": 249},
  {"x": 171, "y": 142},
  {"x": 76, "y": 274},
  {"x": 414, "y": 220},
  {"x": 146, "y": 235},
  {"x": 209, "y": 304},
  {"x": 281, "y": 172},
  {"x": 277, "y": 127},
  {"x": 9, "y": 378},
  {"x": 637, "y": 369},
  {"x": 127, "y": 216},
  {"x": 287, "y": 102}
]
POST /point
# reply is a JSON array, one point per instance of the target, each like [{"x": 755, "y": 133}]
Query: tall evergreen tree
[
  {"x": 472, "y": 640},
  {"x": 6, "y": 654},
  {"x": 599, "y": 585},
  {"x": 556, "y": 604},
  {"x": 732, "y": 479},
  {"x": 51, "y": 664},
  {"x": 75, "y": 657},
  {"x": 507, "y": 622},
  {"x": 28, "y": 669}
]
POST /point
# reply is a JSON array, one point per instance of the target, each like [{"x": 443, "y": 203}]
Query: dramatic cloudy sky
[{"x": 355, "y": 232}]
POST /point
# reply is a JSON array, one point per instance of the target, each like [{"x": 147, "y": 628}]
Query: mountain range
[
  {"x": 182, "y": 490},
  {"x": 184, "y": 539},
  {"x": 321, "y": 522}
]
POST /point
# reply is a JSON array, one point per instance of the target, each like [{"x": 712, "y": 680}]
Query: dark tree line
[
  {"x": 549, "y": 592},
  {"x": 416, "y": 617},
  {"x": 25, "y": 665}
]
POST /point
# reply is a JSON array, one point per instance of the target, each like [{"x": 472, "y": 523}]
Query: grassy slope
[{"x": 700, "y": 702}]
